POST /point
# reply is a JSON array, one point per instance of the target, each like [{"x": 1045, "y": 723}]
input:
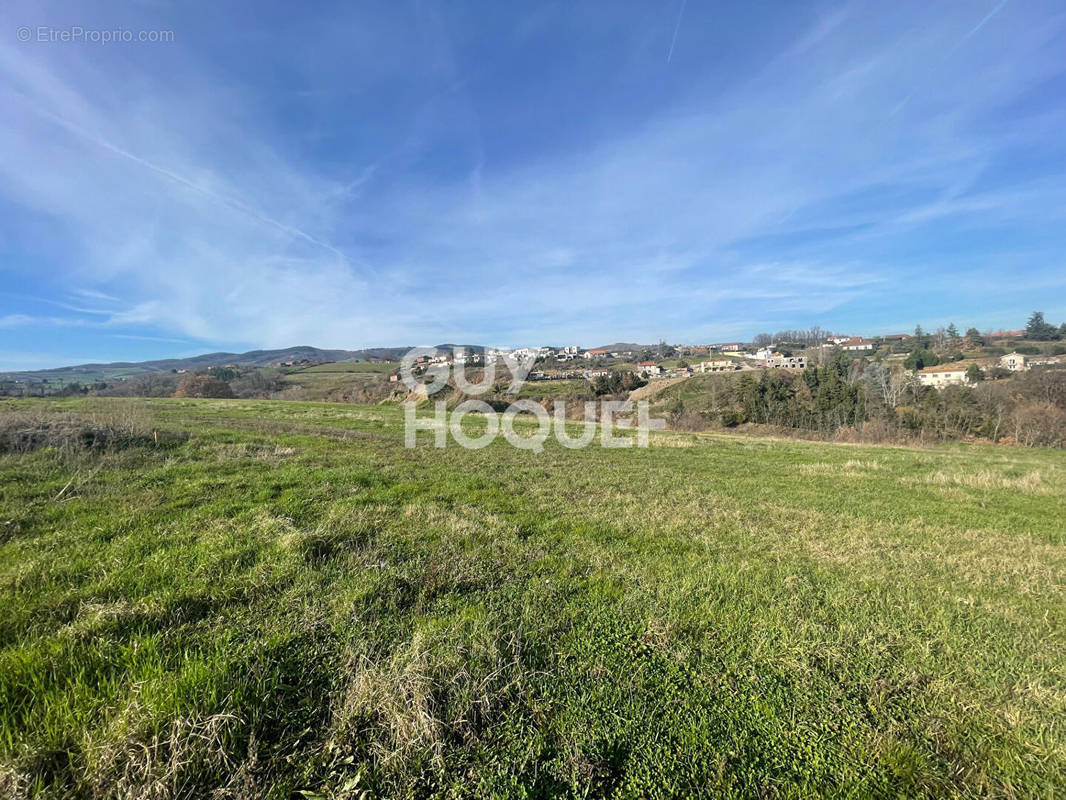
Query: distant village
[
  {"x": 941, "y": 358},
  {"x": 680, "y": 361}
]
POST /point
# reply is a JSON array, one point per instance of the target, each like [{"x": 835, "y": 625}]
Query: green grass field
[
  {"x": 324, "y": 381},
  {"x": 376, "y": 367},
  {"x": 278, "y": 598}
]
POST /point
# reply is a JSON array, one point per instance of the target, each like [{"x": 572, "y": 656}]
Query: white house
[
  {"x": 1015, "y": 362},
  {"x": 857, "y": 343},
  {"x": 786, "y": 362},
  {"x": 719, "y": 365},
  {"x": 944, "y": 374}
]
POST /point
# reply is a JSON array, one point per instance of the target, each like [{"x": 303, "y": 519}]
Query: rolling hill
[{"x": 256, "y": 358}]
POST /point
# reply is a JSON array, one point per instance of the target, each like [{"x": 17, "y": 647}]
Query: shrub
[
  {"x": 203, "y": 386},
  {"x": 1036, "y": 424}
]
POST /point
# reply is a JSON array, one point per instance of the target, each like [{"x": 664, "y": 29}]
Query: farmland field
[
  {"x": 269, "y": 598},
  {"x": 324, "y": 381},
  {"x": 378, "y": 367}
]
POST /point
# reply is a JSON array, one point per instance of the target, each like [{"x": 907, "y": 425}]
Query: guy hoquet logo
[{"x": 425, "y": 370}]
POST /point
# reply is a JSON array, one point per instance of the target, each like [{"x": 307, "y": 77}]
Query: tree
[
  {"x": 973, "y": 338},
  {"x": 1039, "y": 329},
  {"x": 919, "y": 334},
  {"x": 974, "y": 374},
  {"x": 953, "y": 332},
  {"x": 203, "y": 386},
  {"x": 617, "y": 383},
  {"x": 920, "y": 359}
]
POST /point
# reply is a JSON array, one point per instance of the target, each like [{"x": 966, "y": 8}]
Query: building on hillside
[
  {"x": 650, "y": 368},
  {"x": 595, "y": 353},
  {"x": 731, "y": 347},
  {"x": 857, "y": 343},
  {"x": 786, "y": 362},
  {"x": 719, "y": 365},
  {"x": 1015, "y": 362},
  {"x": 945, "y": 374},
  {"x": 837, "y": 339}
]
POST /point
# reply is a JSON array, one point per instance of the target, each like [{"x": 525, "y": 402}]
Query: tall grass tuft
[{"x": 117, "y": 427}]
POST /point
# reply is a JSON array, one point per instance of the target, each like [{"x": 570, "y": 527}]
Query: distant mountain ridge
[{"x": 253, "y": 358}]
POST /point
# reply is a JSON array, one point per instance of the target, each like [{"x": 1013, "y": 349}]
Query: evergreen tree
[{"x": 1039, "y": 329}]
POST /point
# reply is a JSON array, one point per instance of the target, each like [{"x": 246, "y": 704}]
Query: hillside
[
  {"x": 625, "y": 347},
  {"x": 255, "y": 358}
]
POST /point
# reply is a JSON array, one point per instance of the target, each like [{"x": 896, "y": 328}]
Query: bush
[
  {"x": 1036, "y": 424},
  {"x": 203, "y": 386}
]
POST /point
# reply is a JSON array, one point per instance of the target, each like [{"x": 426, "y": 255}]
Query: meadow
[
  {"x": 324, "y": 382},
  {"x": 230, "y": 598}
]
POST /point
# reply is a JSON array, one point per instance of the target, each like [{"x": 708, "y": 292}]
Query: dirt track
[{"x": 653, "y": 388}]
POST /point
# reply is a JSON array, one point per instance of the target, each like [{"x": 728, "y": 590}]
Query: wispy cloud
[{"x": 677, "y": 27}]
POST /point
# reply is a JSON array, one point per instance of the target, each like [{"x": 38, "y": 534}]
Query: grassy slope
[
  {"x": 556, "y": 388},
  {"x": 321, "y": 381},
  {"x": 291, "y": 598},
  {"x": 377, "y": 367}
]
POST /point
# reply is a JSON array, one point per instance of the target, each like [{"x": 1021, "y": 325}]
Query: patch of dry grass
[{"x": 1030, "y": 483}]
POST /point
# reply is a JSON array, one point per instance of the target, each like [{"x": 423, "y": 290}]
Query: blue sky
[{"x": 394, "y": 173}]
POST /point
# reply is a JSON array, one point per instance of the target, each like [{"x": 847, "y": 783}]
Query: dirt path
[{"x": 654, "y": 387}]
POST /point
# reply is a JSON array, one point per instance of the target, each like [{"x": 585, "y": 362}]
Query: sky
[{"x": 408, "y": 173}]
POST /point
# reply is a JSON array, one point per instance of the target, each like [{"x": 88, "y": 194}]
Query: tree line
[{"x": 848, "y": 397}]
